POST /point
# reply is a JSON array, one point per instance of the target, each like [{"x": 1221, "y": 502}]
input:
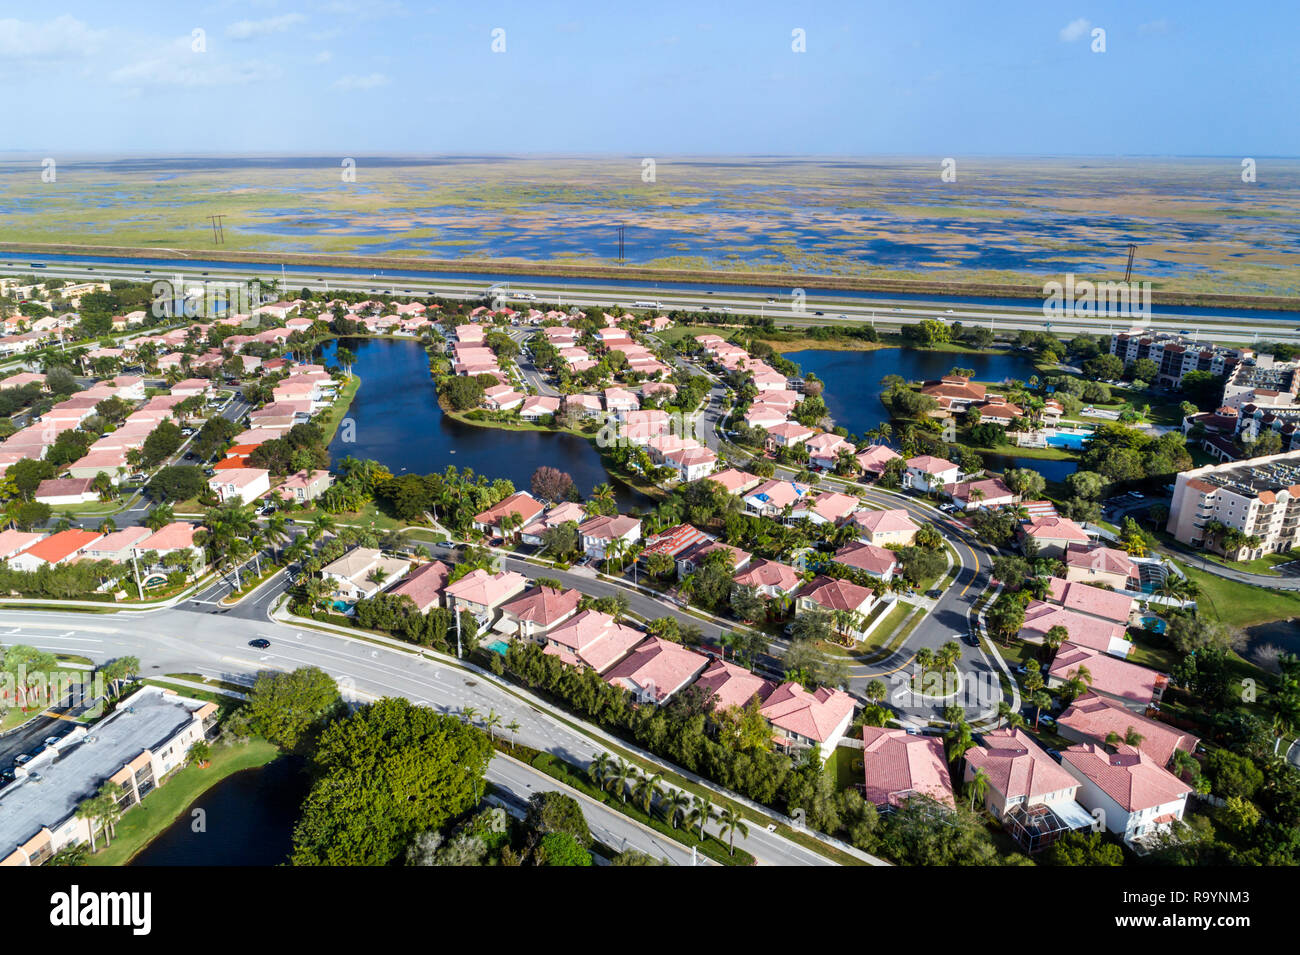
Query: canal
[
  {"x": 397, "y": 421},
  {"x": 852, "y": 393},
  {"x": 248, "y": 819}
]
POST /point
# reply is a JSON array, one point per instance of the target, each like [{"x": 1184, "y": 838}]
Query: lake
[
  {"x": 249, "y": 820},
  {"x": 853, "y": 388},
  {"x": 399, "y": 423}
]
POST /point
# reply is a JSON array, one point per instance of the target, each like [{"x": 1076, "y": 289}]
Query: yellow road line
[{"x": 974, "y": 576}]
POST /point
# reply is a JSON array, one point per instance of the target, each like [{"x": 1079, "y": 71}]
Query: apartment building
[
  {"x": 145, "y": 739},
  {"x": 1258, "y": 499},
  {"x": 1176, "y": 355}
]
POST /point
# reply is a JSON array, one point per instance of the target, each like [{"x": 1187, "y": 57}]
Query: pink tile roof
[
  {"x": 929, "y": 464},
  {"x": 1094, "y": 716},
  {"x": 897, "y": 764},
  {"x": 829, "y": 505},
  {"x": 607, "y": 527},
  {"x": 991, "y": 489},
  {"x": 733, "y": 685},
  {"x": 874, "y": 560},
  {"x": 658, "y": 666},
  {"x": 1056, "y": 528},
  {"x": 1016, "y": 767},
  {"x": 521, "y": 503},
  {"x": 13, "y": 541},
  {"x": 733, "y": 480},
  {"x": 790, "y": 431},
  {"x": 1090, "y": 600},
  {"x": 1084, "y": 630},
  {"x": 876, "y": 457},
  {"x": 813, "y": 715},
  {"x": 424, "y": 585},
  {"x": 891, "y": 521},
  {"x": 173, "y": 536},
  {"x": 121, "y": 540},
  {"x": 480, "y": 587},
  {"x": 769, "y": 573},
  {"x": 1100, "y": 558},
  {"x": 1110, "y": 675},
  {"x": 1128, "y": 776},
  {"x": 835, "y": 594},
  {"x": 593, "y": 639},
  {"x": 543, "y": 605}
]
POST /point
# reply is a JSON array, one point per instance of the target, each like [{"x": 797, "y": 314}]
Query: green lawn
[
  {"x": 845, "y": 767},
  {"x": 332, "y": 418},
  {"x": 1241, "y": 605},
  {"x": 141, "y": 824}
]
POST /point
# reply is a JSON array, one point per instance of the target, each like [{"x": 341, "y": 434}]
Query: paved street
[{"x": 216, "y": 645}]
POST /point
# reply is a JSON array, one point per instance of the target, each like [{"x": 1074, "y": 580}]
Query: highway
[{"x": 816, "y": 307}]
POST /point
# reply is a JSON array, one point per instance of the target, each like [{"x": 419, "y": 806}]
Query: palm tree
[
  {"x": 109, "y": 796},
  {"x": 469, "y": 714},
  {"x": 978, "y": 786},
  {"x": 89, "y": 810},
  {"x": 321, "y": 524},
  {"x": 1041, "y": 700},
  {"x": 647, "y": 790},
  {"x": 600, "y": 768},
  {"x": 512, "y": 728},
  {"x": 675, "y": 804},
  {"x": 702, "y": 813},
  {"x": 491, "y": 723},
  {"x": 619, "y": 777},
  {"x": 159, "y": 517},
  {"x": 276, "y": 531},
  {"x": 729, "y": 823}
]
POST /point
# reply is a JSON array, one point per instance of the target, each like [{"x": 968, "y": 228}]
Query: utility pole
[
  {"x": 457, "y": 612},
  {"x": 136, "y": 567}
]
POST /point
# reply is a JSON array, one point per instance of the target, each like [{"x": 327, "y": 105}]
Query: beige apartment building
[{"x": 1259, "y": 498}]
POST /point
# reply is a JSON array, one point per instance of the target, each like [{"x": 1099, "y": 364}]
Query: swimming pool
[
  {"x": 1074, "y": 440},
  {"x": 497, "y": 646},
  {"x": 1154, "y": 624}
]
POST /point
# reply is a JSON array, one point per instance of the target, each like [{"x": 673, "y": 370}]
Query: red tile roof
[
  {"x": 813, "y": 716},
  {"x": 1095, "y": 717},
  {"x": 1016, "y": 767},
  {"x": 897, "y": 764},
  {"x": 1134, "y": 780}
]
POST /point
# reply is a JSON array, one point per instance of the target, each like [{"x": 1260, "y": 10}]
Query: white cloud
[
  {"x": 324, "y": 56},
  {"x": 1075, "y": 30},
  {"x": 368, "y": 82},
  {"x": 248, "y": 29},
  {"x": 60, "y": 38},
  {"x": 1155, "y": 28},
  {"x": 176, "y": 64}
]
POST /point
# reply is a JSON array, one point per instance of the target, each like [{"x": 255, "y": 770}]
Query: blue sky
[{"x": 363, "y": 77}]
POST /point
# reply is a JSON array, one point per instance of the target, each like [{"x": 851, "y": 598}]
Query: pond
[
  {"x": 249, "y": 819},
  {"x": 399, "y": 423},
  {"x": 853, "y": 388}
]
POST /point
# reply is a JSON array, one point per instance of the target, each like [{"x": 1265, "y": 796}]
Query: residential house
[
  {"x": 303, "y": 486},
  {"x": 1092, "y": 718},
  {"x": 1053, "y": 535},
  {"x": 53, "y": 550},
  {"x": 837, "y": 597},
  {"x": 1099, "y": 564},
  {"x": 482, "y": 593},
  {"x": 424, "y": 585},
  {"x": 768, "y": 578},
  {"x": 885, "y": 528},
  {"x": 240, "y": 484},
  {"x": 656, "y": 669},
  {"x": 870, "y": 559},
  {"x": 973, "y": 495},
  {"x": 898, "y": 765},
  {"x": 537, "y": 611},
  {"x": 800, "y": 718},
  {"x": 1126, "y": 683},
  {"x": 591, "y": 639},
  {"x": 925, "y": 472},
  {"x": 825, "y": 449},
  {"x": 1137, "y": 796},
  {"x": 872, "y": 461},
  {"x": 728, "y": 685},
  {"x": 363, "y": 572},
  {"x": 60, "y": 491},
  {"x": 598, "y": 534},
  {"x": 521, "y": 505}
]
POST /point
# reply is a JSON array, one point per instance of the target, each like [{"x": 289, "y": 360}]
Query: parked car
[
  {"x": 22, "y": 758},
  {"x": 934, "y": 594},
  {"x": 51, "y": 740}
]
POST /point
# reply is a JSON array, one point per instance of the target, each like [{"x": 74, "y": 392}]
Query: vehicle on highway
[
  {"x": 771, "y": 301},
  {"x": 22, "y": 758},
  {"x": 51, "y": 740},
  {"x": 259, "y": 643},
  {"x": 972, "y": 639},
  {"x": 646, "y": 303},
  {"x": 1138, "y": 495},
  {"x": 819, "y": 313}
]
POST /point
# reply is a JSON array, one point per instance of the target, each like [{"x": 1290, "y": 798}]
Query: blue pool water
[
  {"x": 1154, "y": 624},
  {"x": 498, "y": 646},
  {"x": 1065, "y": 440}
]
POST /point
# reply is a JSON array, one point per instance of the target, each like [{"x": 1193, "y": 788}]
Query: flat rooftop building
[
  {"x": 136, "y": 746},
  {"x": 1255, "y": 504}
]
